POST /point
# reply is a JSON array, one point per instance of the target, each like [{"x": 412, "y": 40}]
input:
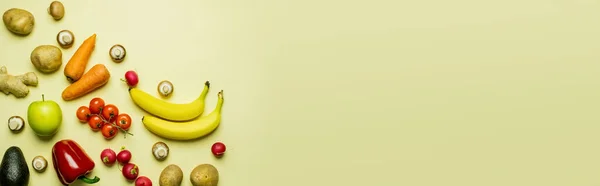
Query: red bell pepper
[{"x": 71, "y": 162}]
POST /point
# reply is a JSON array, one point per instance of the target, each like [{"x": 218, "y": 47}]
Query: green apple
[{"x": 44, "y": 117}]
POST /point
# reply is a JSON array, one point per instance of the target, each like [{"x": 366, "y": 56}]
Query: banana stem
[
  {"x": 220, "y": 101},
  {"x": 205, "y": 90}
]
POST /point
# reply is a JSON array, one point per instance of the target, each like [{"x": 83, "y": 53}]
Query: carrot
[
  {"x": 95, "y": 78},
  {"x": 75, "y": 68}
]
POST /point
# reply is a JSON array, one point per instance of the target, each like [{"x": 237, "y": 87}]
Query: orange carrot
[
  {"x": 75, "y": 68},
  {"x": 95, "y": 78}
]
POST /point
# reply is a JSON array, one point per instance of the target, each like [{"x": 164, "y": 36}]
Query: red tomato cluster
[{"x": 104, "y": 117}]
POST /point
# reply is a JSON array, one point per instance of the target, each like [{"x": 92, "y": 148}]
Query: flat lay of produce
[{"x": 71, "y": 57}]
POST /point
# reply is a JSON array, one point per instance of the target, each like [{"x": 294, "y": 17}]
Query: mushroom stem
[
  {"x": 161, "y": 152},
  {"x": 66, "y": 39}
]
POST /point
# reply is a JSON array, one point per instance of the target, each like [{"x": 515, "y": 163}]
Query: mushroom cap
[
  {"x": 160, "y": 150},
  {"x": 117, "y": 53},
  {"x": 16, "y": 123},
  {"x": 56, "y": 10},
  {"x": 165, "y": 88},
  {"x": 65, "y": 38},
  {"x": 39, "y": 163}
]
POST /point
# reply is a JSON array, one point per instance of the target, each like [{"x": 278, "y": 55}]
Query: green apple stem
[{"x": 43, "y": 97}]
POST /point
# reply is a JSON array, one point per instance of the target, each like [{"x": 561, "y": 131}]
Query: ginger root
[{"x": 16, "y": 85}]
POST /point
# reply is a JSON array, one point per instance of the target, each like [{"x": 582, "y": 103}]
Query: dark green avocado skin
[{"x": 14, "y": 170}]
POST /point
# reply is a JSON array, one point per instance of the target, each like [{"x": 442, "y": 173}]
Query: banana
[
  {"x": 167, "y": 110},
  {"x": 185, "y": 130}
]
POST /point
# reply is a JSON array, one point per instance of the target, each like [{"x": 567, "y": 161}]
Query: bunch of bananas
[{"x": 178, "y": 121}]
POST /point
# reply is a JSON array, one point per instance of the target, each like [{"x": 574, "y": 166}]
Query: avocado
[{"x": 14, "y": 170}]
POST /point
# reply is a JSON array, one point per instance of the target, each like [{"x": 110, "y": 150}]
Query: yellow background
[{"x": 419, "y": 93}]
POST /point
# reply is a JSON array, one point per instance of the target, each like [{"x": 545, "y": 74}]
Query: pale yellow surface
[{"x": 415, "y": 93}]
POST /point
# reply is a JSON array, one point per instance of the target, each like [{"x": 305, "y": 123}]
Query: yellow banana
[
  {"x": 185, "y": 130},
  {"x": 167, "y": 110}
]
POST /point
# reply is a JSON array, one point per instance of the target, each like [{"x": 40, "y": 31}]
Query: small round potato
[
  {"x": 204, "y": 175},
  {"x": 46, "y": 58},
  {"x": 172, "y": 175},
  {"x": 18, "y": 21}
]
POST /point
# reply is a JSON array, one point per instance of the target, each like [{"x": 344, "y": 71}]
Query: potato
[
  {"x": 46, "y": 58},
  {"x": 204, "y": 175},
  {"x": 172, "y": 175},
  {"x": 18, "y": 21}
]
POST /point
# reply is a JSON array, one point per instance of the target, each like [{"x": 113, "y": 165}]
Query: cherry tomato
[
  {"x": 110, "y": 112},
  {"x": 123, "y": 121},
  {"x": 109, "y": 131},
  {"x": 95, "y": 122},
  {"x": 83, "y": 114},
  {"x": 96, "y": 105}
]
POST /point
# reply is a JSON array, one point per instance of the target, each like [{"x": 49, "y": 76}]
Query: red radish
[
  {"x": 143, "y": 181},
  {"x": 218, "y": 149},
  {"x": 131, "y": 78},
  {"x": 130, "y": 171},
  {"x": 124, "y": 156},
  {"x": 108, "y": 156}
]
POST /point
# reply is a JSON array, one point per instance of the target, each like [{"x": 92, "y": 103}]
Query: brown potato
[
  {"x": 46, "y": 58},
  {"x": 18, "y": 21},
  {"x": 172, "y": 175},
  {"x": 204, "y": 175}
]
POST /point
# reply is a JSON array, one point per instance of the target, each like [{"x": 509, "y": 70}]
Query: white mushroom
[
  {"x": 65, "y": 38},
  {"x": 165, "y": 88},
  {"x": 160, "y": 150},
  {"x": 16, "y": 123},
  {"x": 117, "y": 53},
  {"x": 39, "y": 163}
]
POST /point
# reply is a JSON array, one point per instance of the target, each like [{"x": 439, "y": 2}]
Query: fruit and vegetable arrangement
[{"x": 70, "y": 161}]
